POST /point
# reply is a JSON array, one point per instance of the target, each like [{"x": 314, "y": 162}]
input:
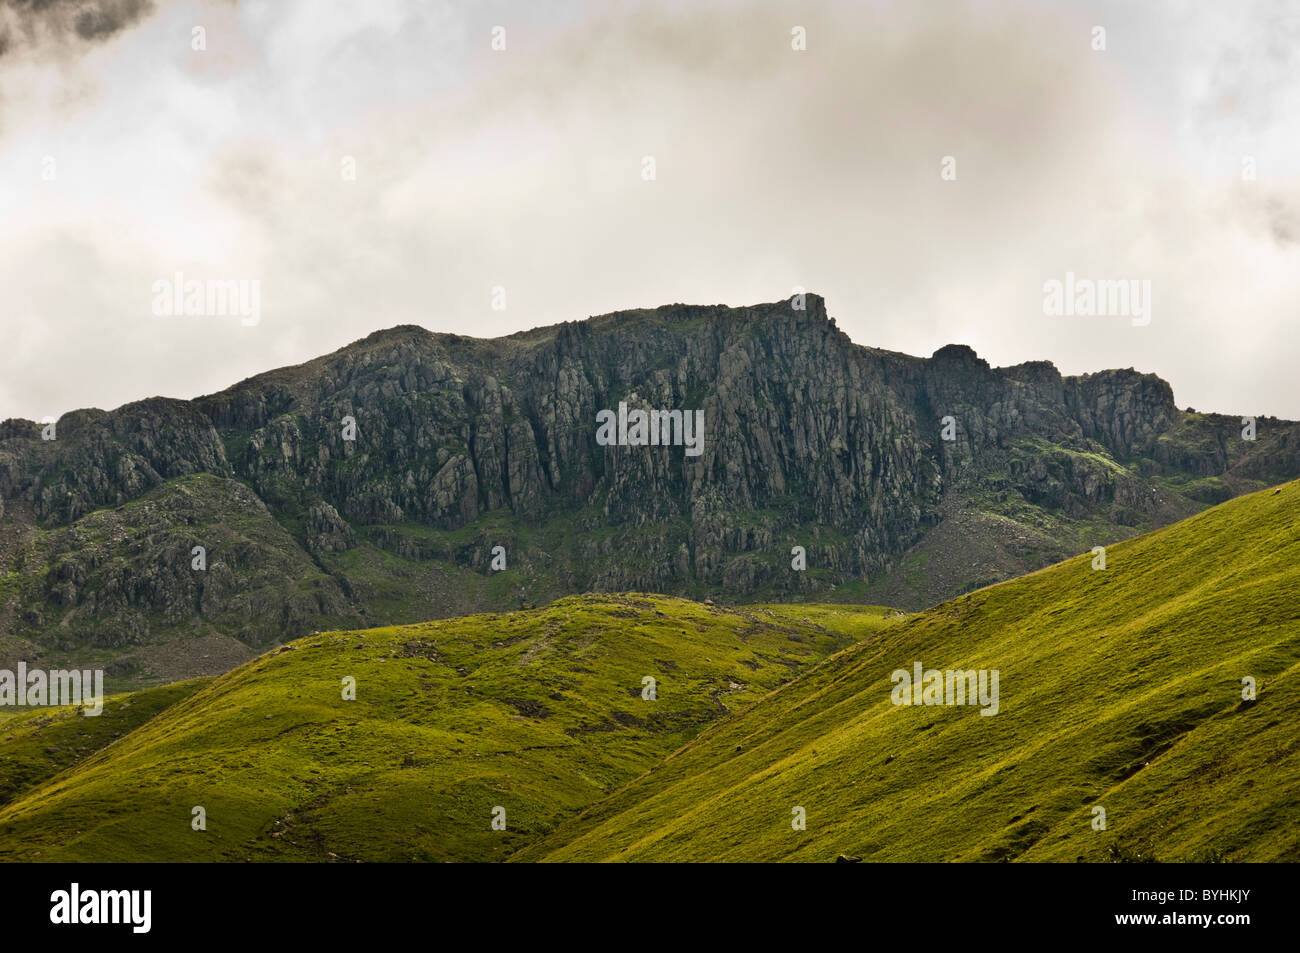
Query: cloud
[
  {"x": 522, "y": 168},
  {"x": 33, "y": 24}
]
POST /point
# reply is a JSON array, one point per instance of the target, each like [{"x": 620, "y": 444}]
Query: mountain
[
  {"x": 1119, "y": 688},
  {"x": 539, "y": 712},
  {"x": 463, "y": 445}
]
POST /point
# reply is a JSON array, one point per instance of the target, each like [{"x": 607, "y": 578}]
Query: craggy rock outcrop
[{"x": 431, "y": 449}]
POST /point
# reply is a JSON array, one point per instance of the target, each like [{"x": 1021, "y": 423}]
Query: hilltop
[
  {"x": 539, "y": 712},
  {"x": 1120, "y": 688}
]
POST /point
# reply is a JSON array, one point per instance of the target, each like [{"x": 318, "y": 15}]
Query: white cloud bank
[{"x": 523, "y": 169}]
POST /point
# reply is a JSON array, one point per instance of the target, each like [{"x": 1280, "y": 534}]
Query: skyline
[
  {"x": 757, "y": 304},
  {"x": 516, "y": 176}
]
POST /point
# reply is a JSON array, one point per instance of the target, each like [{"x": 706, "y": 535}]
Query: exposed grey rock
[{"x": 464, "y": 444}]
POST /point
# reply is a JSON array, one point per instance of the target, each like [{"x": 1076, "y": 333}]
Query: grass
[
  {"x": 37, "y": 744},
  {"x": 1119, "y": 688},
  {"x": 538, "y": 711}
]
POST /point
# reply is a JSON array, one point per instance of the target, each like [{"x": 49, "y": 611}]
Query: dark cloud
[
  {"x": 1284, "y": 222},
  {"x": 34, "y": 24}
]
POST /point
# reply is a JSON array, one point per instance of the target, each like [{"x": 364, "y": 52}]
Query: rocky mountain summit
[{"x": 374, "y": 485}]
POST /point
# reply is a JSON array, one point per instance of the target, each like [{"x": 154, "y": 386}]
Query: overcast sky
[{"x": 126, "y": 156}]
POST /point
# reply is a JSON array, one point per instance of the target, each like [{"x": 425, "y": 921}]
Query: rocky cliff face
[{"x": 372, "y": 485}]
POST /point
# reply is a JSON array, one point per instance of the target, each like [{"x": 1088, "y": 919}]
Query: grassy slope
[
  {"x": 537, "y": 711},
  {"x": 37, "y": 744},
  {"x": 1119, "y": 688}
]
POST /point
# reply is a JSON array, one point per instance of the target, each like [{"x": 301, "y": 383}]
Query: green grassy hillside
[
  {"x": 539, "y": 712},
  {"x": 1119, "y": 688},
  {"x": 38, "y": 743}
]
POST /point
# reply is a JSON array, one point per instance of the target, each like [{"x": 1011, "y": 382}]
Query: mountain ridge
[{"x": 464, "y": 444}]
